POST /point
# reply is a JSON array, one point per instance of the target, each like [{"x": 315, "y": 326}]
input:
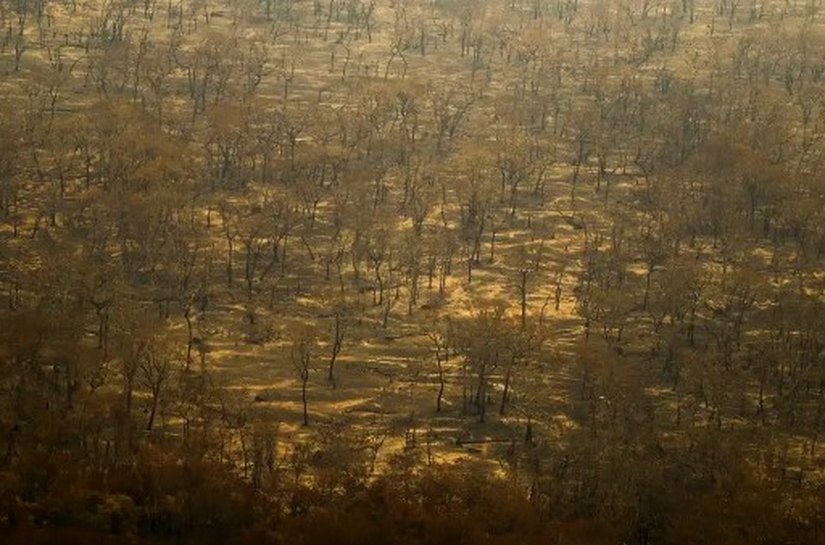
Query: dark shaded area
[{"x": 68, "y": 476}]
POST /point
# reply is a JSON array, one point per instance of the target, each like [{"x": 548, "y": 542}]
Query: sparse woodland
[{"x": 412, "y": 271}]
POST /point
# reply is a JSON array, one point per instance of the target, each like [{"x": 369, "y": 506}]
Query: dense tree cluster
[{"x": 605, "y": 220}]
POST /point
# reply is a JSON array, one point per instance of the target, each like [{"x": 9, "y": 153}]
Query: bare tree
[
  {"x": 155, "y": 368},
  {"x": 301, "y": 353}
]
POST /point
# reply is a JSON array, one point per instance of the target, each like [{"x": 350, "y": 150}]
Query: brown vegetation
[{"x": 502, "y": 271}]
